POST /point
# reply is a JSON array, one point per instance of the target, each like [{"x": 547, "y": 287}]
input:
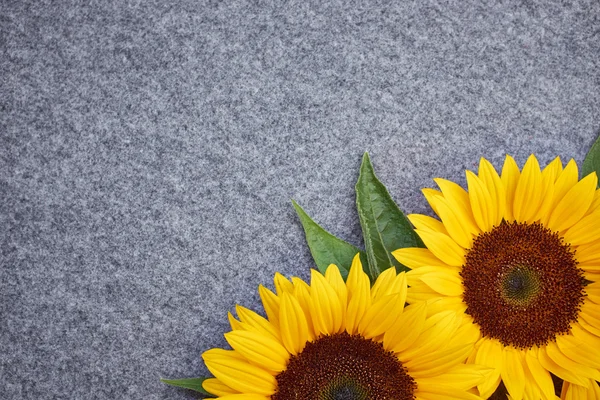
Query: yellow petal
[
  {"x": 592, "y": 277},
  {"x": 270, "y": 303},
  {"x": 460, "y": 376},
  {"x": 458, "y": 196},
  {"x": 561, "y": 368},
  {"x": 585, "y": 333},
  {"x": 382, "y": 283},
  {"x": 216, "y": 387},
  {"x": 360, "y": 299},
  {"x": 326, "y": 310},
  {"x": 442, "y": 392},
  {"x": 414, "y": 276},
  {"x": 589, "y": 309},
  {"x": 531, "y": 389},
  {"x": 282, "y": 284},
  {"x": 419, "y": 292},
  {"x": 453, "y": 223},
  {"x": 586, "y": 327},
  {"x": 448, "y": 284},
  {"x": 586, "y": 230},
  {"x": 397, "y": 284},
  {"x": 579, "y": 350},
  {"x": 484, "y": 207},
  {"x": 528, "y": 192},
  {"x": 468, "y": 333},
  {"x": 257, "y": 322},
  {"x": 574, "y": 204},
  {"x": 356, "y": 275},
  {"x": 406, "y": 329},
  {"x": 547, "y": 195},
  {"x": 426, "y": 222},
  {"x": 594, "y": 269},
  {"x": 299, "y": 282},
  {"x": 430, "y": 194},
  {"x": 244, "y": 396},
  {"x": 561, "y": 359},
  {"x": 381, "y": 315},
  {"x": 359, "y": 295},
  {"x": 238, "y": 374},
  {"x": 510, "y": 179},
  {"x": 263, "y": 351},
  {"x": 235, "y": 324},
  {"x": 302, "y": 294},
  {"x": 293, "y": 324},
  {"x": 590, "y": 319},
  {"x": 357, "y": 308},
  {"x": 439, "y": 304},
  {"x": 512, "y": 372},
  {"x": 495, "y": 187},
  {"x": 571, "y": 391},
  {"x": 443, "y": 247},
  {"x": 414, "y": 257},
  {"x": 489, "y": 354},
  {"x": 217, "y": 352},
  {"x": 588, "y": 253},
  {"x": 565, "y": 181},
  {"x": 595, "y": 206},
  {"x": 437, "y": 332},
  {"x": 540, "y": 374},
  {"x": 433, "y": 363},
  {"x": 457, "y": 199},
  {"x": 554, "y": 169},
  {"x": 400, "y": 286},
  {"x": 333, "y": 276}
]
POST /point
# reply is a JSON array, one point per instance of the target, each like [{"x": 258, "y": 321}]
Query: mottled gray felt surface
[{"x": 149, "y": 151}]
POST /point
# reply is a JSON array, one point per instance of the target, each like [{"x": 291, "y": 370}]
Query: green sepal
[
  {"x": 385, "y": 228},
  {"x": 194, "y": 384},
  {"x": 326, "y": 248},
  {"x": 592, "y": 160}
]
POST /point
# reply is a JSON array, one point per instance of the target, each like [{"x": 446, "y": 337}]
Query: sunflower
[
  {"x": 518, "y": 255},
  {"x": 344, "y": 340}
]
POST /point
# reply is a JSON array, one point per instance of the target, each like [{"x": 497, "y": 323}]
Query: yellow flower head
[
  {"x": 334, "y": 339},
  {"x": 518, "y": 254}
]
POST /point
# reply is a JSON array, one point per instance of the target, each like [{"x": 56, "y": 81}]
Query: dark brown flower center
[
  {"x": 344, "y": 367},
  {"x": 522, "y": 284}
]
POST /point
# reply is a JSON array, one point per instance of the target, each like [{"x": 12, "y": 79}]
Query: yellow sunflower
[
  {"x": 518, "y": 254},
  {"x": 344, "y": 340}
]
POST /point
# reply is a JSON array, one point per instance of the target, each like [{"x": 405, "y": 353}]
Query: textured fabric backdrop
[{"x": 149, "y": 151}]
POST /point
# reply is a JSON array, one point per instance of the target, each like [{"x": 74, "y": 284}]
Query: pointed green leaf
[
  {"x": 188, "y": 383},
  {"x": 325, "y": 248},
  {"x": 385, "y": 228},
  {"x": 592, "y": 160}
]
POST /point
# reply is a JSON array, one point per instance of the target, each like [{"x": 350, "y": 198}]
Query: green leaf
[
  {"x": 325, "y": 248},
  {"x": 592, "y": 160},
  {"x": 188, "y": 383},
  {"x": 385, "y": 228}
]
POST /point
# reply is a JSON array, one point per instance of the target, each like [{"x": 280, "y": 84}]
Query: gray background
[{"x": 149, "y": 151}]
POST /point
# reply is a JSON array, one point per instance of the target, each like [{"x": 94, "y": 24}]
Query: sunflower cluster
[{"x": 505, "y": 294}]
